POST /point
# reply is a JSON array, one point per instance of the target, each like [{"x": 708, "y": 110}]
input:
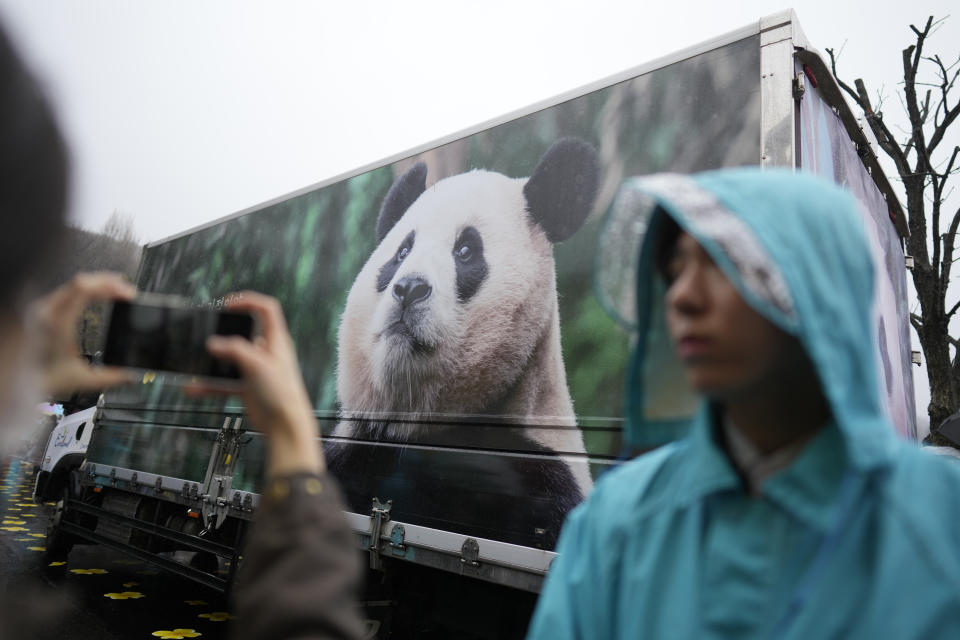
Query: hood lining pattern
[{"x": 708, "y": 217}]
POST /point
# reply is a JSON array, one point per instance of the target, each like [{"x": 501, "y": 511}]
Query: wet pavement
[{"x": 98, "y": 593}]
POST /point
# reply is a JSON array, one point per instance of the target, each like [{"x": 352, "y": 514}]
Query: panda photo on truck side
[{"x": 450, "y": 337}]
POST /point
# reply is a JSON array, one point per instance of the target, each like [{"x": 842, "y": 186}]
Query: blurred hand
[
  {"x": 273, "y": 392},
  {"x": 53, "y": 318}
]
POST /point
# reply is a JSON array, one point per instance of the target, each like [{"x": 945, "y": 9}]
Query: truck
[{"x": 465, "y": 373}]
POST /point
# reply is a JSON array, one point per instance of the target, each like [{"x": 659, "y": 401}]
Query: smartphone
[{"x": 163, "y": 333}]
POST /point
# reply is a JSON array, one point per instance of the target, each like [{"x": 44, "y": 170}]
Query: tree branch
[
  {"x": 917, "y": 322},
  {"x": 953, "y": 310},
  {"x": 949, "y": 115},
  {"x": 948, "y": 245},
  {"x": 884, "y": 137},
  {"x": 955, "y": 364},
  {"x": 843, "y": 85},
  {"x": 938, "y": 182},
  {"x": 912, "y": 56}
]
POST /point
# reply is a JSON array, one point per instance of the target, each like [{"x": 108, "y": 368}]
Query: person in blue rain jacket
[{"x": 782, "y": 504}]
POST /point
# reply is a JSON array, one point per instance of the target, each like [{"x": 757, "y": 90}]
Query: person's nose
[{"x": 687, "y": 294}]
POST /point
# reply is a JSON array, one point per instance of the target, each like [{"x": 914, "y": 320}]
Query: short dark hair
[
  {"x": 668, "y": 231},
  {"x": 33, "y": 180}
]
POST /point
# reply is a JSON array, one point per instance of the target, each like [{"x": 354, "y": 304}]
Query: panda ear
[
  {"x": 403, "y": 193},
  {"x": 561, "y": 191}
]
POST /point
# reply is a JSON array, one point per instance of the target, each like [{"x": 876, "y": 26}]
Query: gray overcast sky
[{"x": 180, "y": 111}]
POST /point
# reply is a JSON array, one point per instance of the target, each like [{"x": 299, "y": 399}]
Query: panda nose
[{"x": 410, "y": 290}]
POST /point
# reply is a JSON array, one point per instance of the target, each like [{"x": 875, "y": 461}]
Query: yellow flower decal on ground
[
  {"x": 130, "y": 584},
  {"x": 56, "y": 564},
  {"x": 217, "y": 616},
  {"x": 14, "y": 528},
  {"x": 194, "y": 603},
  {"x": 178, "y": 633},
  {"x": 37, "y": 548},
  {"x": 37, "y": 535},
  {"x": 124, "y": 595},
  {"x": 89, "y": 572},
  {"x": 25, "y": 504},
  {"x": 12, "y": 522}
]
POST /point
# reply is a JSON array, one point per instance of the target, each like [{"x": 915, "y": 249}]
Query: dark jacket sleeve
[{"x": 300, "y": 571}]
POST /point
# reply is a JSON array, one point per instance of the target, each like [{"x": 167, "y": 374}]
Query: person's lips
[{"x": 692, "y": 347}]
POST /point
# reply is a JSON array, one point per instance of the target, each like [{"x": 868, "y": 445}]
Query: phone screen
[{"x": 171, "y": 338}]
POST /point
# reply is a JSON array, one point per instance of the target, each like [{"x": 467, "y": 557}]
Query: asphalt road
[{"x": 99, "y": 593}]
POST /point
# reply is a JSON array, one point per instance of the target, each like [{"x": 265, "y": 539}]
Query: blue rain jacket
[{"x": 856, "y": 538}]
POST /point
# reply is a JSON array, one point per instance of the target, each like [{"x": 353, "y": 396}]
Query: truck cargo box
[{"x": 466, "y": 377}]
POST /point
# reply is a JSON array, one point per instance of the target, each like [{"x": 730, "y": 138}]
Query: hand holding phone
[
  {"x": 53, "y": 318},
  {"x": 272, "y": 387},
  {"x": 164, "y": 333}
]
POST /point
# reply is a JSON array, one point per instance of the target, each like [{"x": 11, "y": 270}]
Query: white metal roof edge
[{"x": 708, "y": 45}]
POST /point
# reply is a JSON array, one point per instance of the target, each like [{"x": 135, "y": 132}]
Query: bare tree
[
  {"x": 114, "y": 248},
  {"x": 925, "y": 169}
]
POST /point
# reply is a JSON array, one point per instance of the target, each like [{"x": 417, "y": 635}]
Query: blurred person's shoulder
[
  {"x": 922, "y": 498},
  {"x": 920, "y": 477},
  {"x": 638, "y": 489}
]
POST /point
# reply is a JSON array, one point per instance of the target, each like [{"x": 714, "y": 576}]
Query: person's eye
[{"x": 673, "y": 270}]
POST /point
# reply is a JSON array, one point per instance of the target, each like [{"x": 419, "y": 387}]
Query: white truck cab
[{"x": 66, "y": 449}]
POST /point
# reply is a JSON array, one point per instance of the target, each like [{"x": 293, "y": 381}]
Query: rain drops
[
  {"x": 89, "y": 572},
  {"x": 177, "y": 633},
  {"x": 217, "y": 616},
  {"x": 124, "y": 595}
]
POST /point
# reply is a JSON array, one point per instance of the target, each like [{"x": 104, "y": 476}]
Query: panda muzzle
[{"x": 410, "y": 290}]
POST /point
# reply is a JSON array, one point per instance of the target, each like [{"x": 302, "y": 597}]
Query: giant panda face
[
  {"x": 450, "y": 305},
  {"x": 462, "y": 280}
]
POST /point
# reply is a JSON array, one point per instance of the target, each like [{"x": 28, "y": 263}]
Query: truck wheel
[{"x": 59, "y": 543}]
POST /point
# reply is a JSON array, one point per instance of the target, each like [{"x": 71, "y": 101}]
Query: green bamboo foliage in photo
[{"x": 697, "y": 114}]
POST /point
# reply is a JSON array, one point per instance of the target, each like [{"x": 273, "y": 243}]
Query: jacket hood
[{"x": 795, "y": 248}]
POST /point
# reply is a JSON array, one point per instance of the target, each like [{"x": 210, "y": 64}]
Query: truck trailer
[{"x": 466, "y": 376}]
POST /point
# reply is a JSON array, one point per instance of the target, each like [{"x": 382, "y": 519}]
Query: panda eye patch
[
  {"x": 405, "y": 248},
  {"x": 470, "y": 263},
  {"x": 388, "y": 270}
]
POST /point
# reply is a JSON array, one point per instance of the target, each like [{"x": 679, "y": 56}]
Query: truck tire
[{"x": 59, "y": 543}]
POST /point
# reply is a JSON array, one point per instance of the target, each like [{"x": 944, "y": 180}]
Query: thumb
[{"x": 236, "y": 350}]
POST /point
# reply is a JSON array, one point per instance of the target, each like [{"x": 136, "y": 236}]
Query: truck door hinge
[
  {"x": 397, "y": 538},
  {"x": 799, "y": 86},
  {"x": 470, "y": 553},
  {"x": 379, "y": 516},
  {"x": 218, "y": 481}
]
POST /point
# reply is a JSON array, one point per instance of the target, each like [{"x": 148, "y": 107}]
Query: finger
[
  {"x": 91, "y": 379},
  {"x": 195, "y": 389},
  {"x": 68, "y": 300},
  {"x": 268, "y": 312},
  {"x": 240, "y": 351},
  {"x": 107, "y": 377}
]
